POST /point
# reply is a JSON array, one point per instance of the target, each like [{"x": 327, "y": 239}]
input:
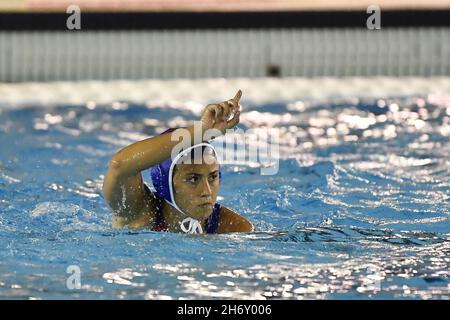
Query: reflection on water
[{"x": 359, "y": 208}]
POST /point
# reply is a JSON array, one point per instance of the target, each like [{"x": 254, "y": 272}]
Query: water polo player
[{"x": 186, "y": 190}]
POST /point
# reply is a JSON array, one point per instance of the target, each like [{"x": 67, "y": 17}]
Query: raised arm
[{"x": 123, "y": 187}]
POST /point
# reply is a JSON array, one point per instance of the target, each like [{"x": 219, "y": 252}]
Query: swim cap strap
[{"x": 194, "y": 226}]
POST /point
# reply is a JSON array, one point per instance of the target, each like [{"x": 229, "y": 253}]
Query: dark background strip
[{"x": 222, "y": 20}]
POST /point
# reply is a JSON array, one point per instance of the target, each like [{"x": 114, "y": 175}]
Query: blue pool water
[{"x": 359, "y": 208}]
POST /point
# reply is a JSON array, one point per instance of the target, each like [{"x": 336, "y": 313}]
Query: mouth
[{"x": 206, "y": 205}]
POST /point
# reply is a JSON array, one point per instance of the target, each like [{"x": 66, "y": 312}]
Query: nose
[{"x": 205, "y": 188}]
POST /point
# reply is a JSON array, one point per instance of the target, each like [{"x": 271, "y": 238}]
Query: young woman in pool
[{"x": 186, "y": 191}]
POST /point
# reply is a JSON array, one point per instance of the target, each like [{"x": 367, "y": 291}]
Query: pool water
[{"x": 358, "y": 210}]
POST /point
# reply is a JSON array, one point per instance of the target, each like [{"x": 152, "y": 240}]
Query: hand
[{"x": 217, "y": 116}]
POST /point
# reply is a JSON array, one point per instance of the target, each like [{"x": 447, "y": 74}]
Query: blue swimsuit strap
[{"x": 212, "y": 223}]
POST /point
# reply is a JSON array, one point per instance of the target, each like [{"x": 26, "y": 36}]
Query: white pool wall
[{"x": 195, "y": 54}]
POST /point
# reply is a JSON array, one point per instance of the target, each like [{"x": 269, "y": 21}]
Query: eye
[
  {"x": 213, "y": 177},
  {"x": 192, "y": 179}
]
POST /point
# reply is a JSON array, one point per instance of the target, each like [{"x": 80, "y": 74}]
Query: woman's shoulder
[{"x": 231, "y": 221}]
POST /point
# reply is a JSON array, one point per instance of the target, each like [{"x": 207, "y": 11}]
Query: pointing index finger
[{"x": 238, "y": 96}]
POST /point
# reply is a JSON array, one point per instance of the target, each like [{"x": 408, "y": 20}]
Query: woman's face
[{"x": 196, "y": 187}]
